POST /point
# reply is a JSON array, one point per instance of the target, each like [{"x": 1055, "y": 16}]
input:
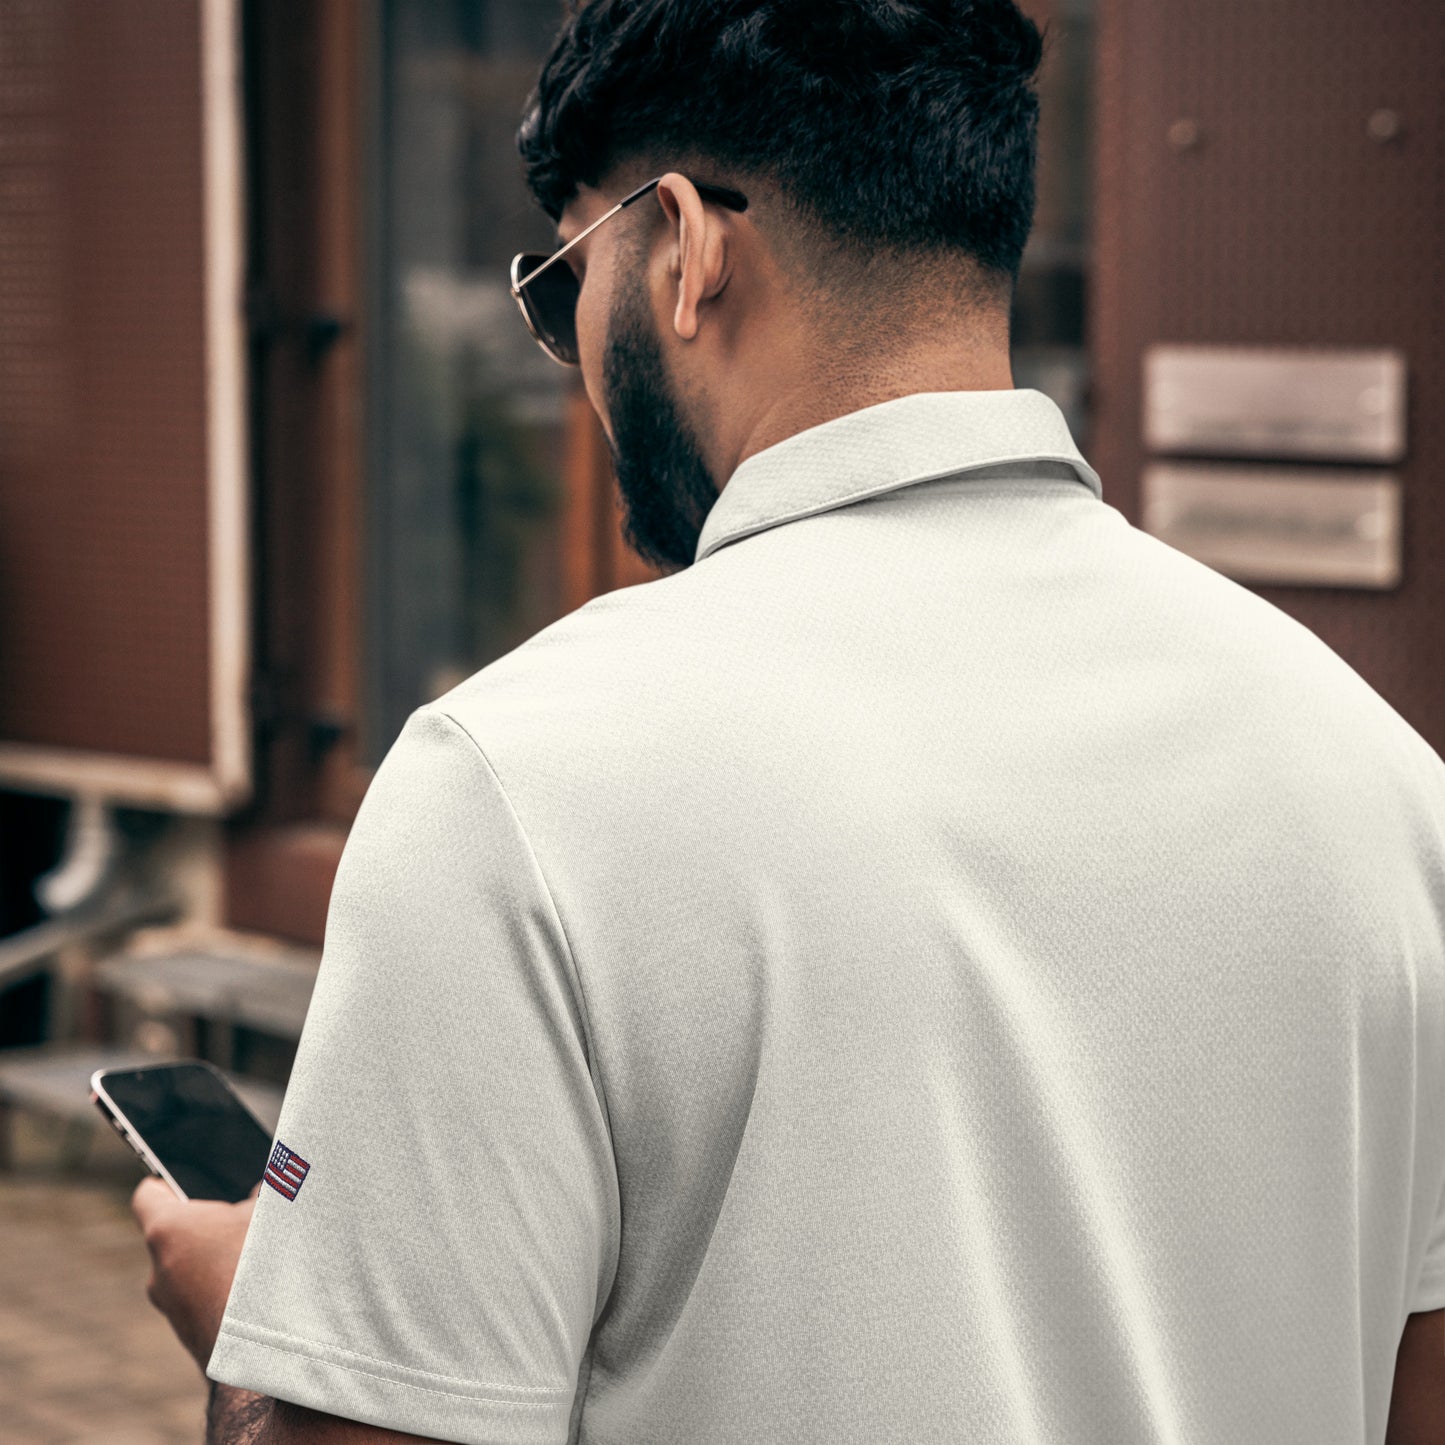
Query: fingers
[{"x": 151, "y": 1201}]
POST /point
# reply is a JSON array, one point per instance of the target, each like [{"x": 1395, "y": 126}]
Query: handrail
[{"x": 26, "y": 951}]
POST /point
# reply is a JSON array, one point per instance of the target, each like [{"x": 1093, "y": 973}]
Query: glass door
[{"x": 467, "y": 419}]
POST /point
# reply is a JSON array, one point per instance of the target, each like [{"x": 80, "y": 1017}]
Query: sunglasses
[{"x": 546, "y": 293}]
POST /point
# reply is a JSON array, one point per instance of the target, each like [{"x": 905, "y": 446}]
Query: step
[{"x": 233, "y": 978}]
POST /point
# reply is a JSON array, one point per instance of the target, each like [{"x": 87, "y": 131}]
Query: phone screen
[{"x": 195, "y": 1125}]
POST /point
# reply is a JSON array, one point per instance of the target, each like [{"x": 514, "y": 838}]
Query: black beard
[{"x": 666, "y": 490}]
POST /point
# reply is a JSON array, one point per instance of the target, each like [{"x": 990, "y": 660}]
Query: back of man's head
[{"x": 892, "y": 129}]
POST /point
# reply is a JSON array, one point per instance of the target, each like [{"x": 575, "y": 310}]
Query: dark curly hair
[{"x": 896, "y": 125}]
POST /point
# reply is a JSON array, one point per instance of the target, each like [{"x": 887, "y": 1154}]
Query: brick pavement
[{"x": 84, "y": 1357}]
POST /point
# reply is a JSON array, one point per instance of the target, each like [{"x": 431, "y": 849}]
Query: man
[{"x": 938, "y": 965}]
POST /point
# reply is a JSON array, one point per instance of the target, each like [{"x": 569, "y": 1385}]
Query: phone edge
[{"x": 109, "y": 1107}]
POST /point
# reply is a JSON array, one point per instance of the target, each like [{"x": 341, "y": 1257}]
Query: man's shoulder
[
  {"x": 610, "y": 664},
  {"x": 1226, "y": 624}
]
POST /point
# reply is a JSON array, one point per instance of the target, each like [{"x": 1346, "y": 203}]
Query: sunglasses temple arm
[{"x": 557, "y": 255}]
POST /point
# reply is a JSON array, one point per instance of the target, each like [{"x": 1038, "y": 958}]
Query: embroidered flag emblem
[{"x": 286, "y": 1171}]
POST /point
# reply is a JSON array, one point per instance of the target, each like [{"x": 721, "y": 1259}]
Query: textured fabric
[{"x": 944, "y": 967}]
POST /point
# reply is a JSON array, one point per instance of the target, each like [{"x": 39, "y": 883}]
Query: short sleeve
[
  {"x": 441, "y": 1230},
  {"x": 1429, "y": 1291}
]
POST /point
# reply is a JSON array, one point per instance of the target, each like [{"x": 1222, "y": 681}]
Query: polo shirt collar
[{"x": 924, "y": 437}]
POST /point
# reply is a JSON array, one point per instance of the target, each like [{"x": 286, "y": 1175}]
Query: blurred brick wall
[{"x": 1243, "y": 196}]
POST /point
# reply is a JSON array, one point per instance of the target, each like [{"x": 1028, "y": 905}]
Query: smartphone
[{"x": 188, "y": 1125}]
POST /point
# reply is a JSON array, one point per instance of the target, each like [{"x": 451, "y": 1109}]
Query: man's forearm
[{"x": 235, "y": 1416}]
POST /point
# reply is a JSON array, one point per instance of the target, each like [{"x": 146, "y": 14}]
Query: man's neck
[{"x": 852, "y": 387}]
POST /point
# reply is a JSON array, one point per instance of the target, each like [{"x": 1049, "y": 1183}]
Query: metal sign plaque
[
  {"x": 1286, "y": 402},
  {"x": 1294, "y": 525}
]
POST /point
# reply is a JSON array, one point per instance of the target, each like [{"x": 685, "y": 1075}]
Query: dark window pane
[{"x": 465, "y": 412}]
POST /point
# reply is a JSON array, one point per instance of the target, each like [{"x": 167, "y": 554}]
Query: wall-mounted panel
[
  {"x": 1337, "y": 405},
  {"x": 1297, "y": 526}
]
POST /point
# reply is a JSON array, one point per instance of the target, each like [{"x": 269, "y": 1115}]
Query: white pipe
[{"x": 92, "y": 846}]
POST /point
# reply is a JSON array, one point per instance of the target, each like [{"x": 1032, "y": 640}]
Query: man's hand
[{"x": 194, "y": 1247}]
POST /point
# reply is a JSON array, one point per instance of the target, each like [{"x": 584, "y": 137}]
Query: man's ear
[{"x": 702, "y": 256}]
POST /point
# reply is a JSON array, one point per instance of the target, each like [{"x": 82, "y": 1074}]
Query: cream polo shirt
[{"x": 944, "y": 967}]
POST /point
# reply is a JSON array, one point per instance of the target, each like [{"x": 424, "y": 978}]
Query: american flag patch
[{"x": 286, "y": 1171}]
